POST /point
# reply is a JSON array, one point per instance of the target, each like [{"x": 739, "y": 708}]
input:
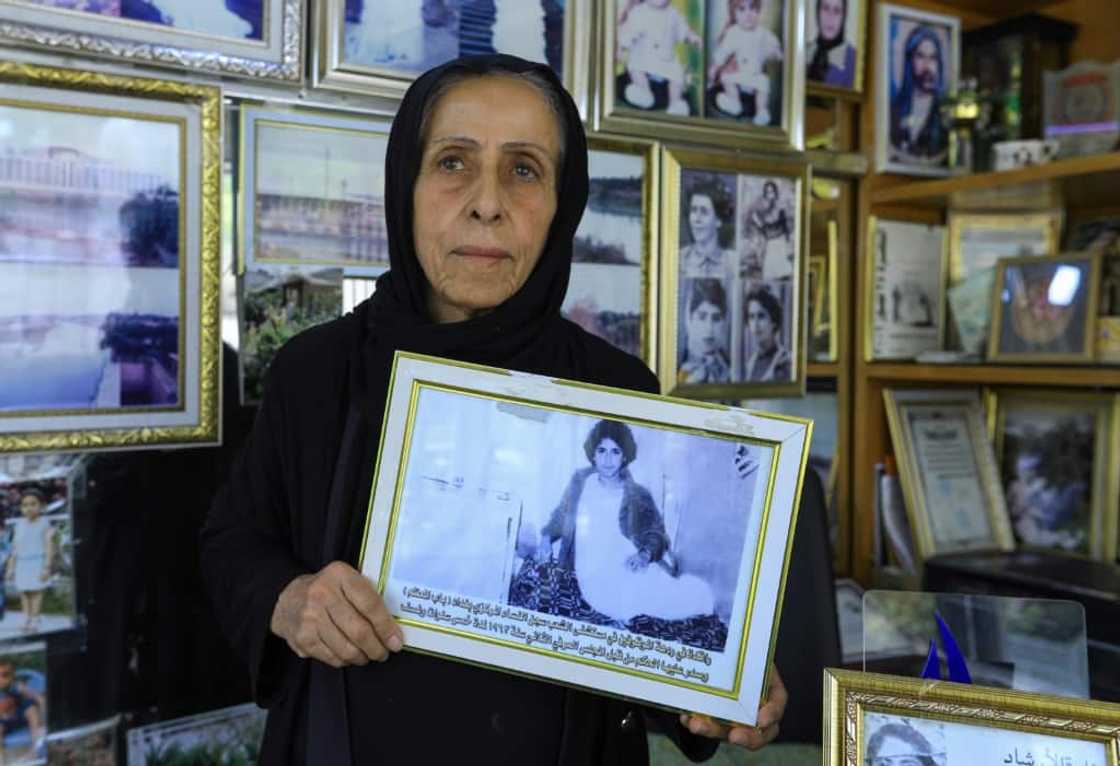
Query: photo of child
[
  {"x": 31, "y": 553},
  {"x": 23, "y": 704},
  {"x": 744, "y": 62},
  {"x": 656, "y": 67}
]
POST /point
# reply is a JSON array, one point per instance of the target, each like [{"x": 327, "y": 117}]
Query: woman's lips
[{"x": 482, "y": 252}]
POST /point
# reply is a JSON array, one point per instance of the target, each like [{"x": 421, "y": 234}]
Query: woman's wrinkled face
[
  {"x": 485, "y": 195},
  {"x": 608, "y": 458}
]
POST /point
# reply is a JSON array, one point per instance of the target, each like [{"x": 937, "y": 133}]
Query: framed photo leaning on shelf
[
  {"x": 949, "y": 476},
  {"x": 109, "y": 261},
  {"x": 1045, "y": 309},
  {"x": 614, "y": 541},
  {"x": 1059, "y": 457},
  {"x": 252, "y": 39},
  {"x": 878, "y": 720},
  {"x": 918, "y": 64},
  {"x": 835, "y": 46},
  {"x": 612, "y": 291},
  {"x": 905, "y": 310},
  {"x": 733, "y": 237},
  {"x": 705, "y": 71}
]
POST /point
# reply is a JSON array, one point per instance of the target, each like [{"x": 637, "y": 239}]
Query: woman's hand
[
  {"x": 750, "y": 737},
  {"x": 336, "y": 616},
  {"x": 638, "y": 561}
]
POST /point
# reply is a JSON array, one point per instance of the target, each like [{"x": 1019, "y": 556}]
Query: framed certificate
[
  {"x": 949, "y": 476},
  {"x": 614, "y": 541}
]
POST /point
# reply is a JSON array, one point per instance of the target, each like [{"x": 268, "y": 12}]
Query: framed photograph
[
  {"x": 1044, "y": 309},
  {"x": 380, "y": 46},
  {"x": 109, "y": 261},
  {"x": 1093, "y": 233},
  {"x": 918, "y": 59},
  {"x": 906, "y": 289},
  {"x": 612, "y": 291},
  {"x": 312, "y": 190},
  {"x": 1059, "y": 458},
  {"x": 949, "y": 476},
  {"x": 620, "y": 542},
  {"x": 884, "y": 720},
  {"x": 23, "y": 695},
  {"x": 94, "y": 744},
  {"x": 230, "y": 735},
  {"x": 705, "y": 71},
  {"x": 253, "y": 39},
  {"x": 823, "y": 292},
  {"x": 835, "y": 46},
  {"x": 276, "y": 305},
  {"x": 733, "y": 235}
]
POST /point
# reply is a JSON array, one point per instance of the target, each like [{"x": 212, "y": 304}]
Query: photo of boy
[{"x": 23, "y": 705}]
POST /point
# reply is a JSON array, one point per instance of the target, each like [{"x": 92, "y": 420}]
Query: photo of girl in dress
[
  {"x": 220, "y": 18},
  {"x": 832, "y": 57},
  {"x": 769, "y": 214},
  {"x": 745, "y": 56},
  {"x": 659, "y": 55}
]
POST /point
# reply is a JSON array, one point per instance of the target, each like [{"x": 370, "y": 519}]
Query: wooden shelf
[
  {"x": 998, "y": 7},
  {"x": 995, "y": 374},
  {"x": 1076, "y": 182},
  {"x": 822, "y": 369}
]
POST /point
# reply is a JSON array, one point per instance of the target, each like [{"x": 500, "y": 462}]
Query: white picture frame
[{"x": 515, "y": 456}]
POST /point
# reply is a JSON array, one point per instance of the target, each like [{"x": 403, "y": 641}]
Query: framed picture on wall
[
  {"x": 378, "y": 47},
  {"x": 1045, "y": 309},
  {"x": 733, "y": 236},
  {"x": 253, "y": 39},
  {"x": 1059, "y": 457},
  {"x": 919, "y": 61},
  {"x": 707, "y": 71},
  {"x": 835, "y": 43},
  {"x": 612, "y": 291},
  {"x": 950, "y": 480},
  {"x": 530, "y": 572},
  {"x": 1094, "y": 232},
  {"x": 109, "y": 261},
  {"x": 312, "y": 190}
]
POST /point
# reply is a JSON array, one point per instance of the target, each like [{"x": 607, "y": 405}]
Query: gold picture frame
[
  {"x": 1083, "y": 300},
  {"x": 1046, "y": 226},
  {"x": 331, "y": 70},
  {"x": 1038, "y": 523},
  {"x": 976, "y": 724},
  {"x": 818, "y": 276},
  {"x": 786, "y": 132},
  {"x": 856, "y": 17},
  {"x": 945, "y": 430},
  {"x": 743, "y": 179},
  {"x": 160, "y": 389},
  {"x": 648, "y": 153}
]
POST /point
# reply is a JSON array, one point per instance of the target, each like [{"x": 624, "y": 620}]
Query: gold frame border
[
  {"x": 676, "y": 159},
  {"x": 855, "y": 93},
  {"x": 847, "y": 694},
  {"x": 1105, "y": 498},
  {"x": 208, "y": 101},
  {"x": 958, "y": 221},
  {"x": 910, "y": 476}
]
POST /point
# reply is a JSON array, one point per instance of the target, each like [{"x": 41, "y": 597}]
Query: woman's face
[
  {"x": 705, "y": 329},
  {"x": 895, "y": 752},
  {"x": 702, "y": 220},
  {"x": 761, "y": 325},
  {"x": 830, "y": 18},
  {"x": 608, "y": 459},
  {"x": 485, "y": 195},
  {"x": 30, "y": 506}
]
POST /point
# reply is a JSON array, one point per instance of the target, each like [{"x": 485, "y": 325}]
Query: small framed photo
[
  {"x": 906, "y": 289},
  {"x": 705, "y": 71},
  {"x": 1059, "y": 457},
  {"x": 217, "y": 736},
  {"x": 879, "y": 720},
  {"x": 835, "y": 46},
  {"x": 919, "y": 60},
  {"x": 252, "y": 39},
  {"x": 612, "y": 291},
  {"x": 1045, "y": 309},
  {"x": 23, "y": 694},
  {"x": 620, "y": 542},
  {"x": 1097, "y": 232},
  {"x": 949, "y": 476},
  {"x": 733, "y": 235},
  {"x": 312, "y": 190},
  {"x": 379, "y": 47},
  {"x": 823, "y": 292},
  {"x": 94, "y": 744},
  {"x": 109, "y": 261}
]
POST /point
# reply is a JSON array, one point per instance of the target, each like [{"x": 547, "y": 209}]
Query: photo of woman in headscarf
[
  {"x": 917, "y": 134},
  {"x": 704, "y": 358},
  {"x": 831, "y": 57}
]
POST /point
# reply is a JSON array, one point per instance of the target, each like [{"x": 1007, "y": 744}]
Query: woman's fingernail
[{"x": 394, "y": 643}]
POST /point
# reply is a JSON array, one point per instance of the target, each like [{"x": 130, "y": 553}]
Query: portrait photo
[
  {"x": 768, "y": 339},
  {"x": 704, "y": 332},
  {"x": 315, "y": 190},
  {"x": 612, "y": 260},
  {"x": 1044, "y": 309},
  {"x": 659, "y": 55},
  {"x": 919, "y": 56},
  {"x": 745, "y": 60},
  {"x": 23, "y": 701},
  {"x": 892, "y": 740},
  {"x": 834, "y": 40},
  {"x": 768, "y": 233}
]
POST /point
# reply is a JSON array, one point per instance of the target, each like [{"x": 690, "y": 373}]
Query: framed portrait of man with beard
[{"x": 919, "y": 58}]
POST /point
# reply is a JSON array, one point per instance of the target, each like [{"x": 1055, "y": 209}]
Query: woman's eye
[
  {"x": 450, "y": 163},
  {"x": 525, "y": 171}
]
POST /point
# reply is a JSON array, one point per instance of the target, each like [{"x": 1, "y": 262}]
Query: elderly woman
[{"x": 486, "y": 179}]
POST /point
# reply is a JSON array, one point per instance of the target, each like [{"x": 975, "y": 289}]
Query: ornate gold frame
[
  {"x": 207, "y": 100},
  {"x": 1049, "y": 222}
]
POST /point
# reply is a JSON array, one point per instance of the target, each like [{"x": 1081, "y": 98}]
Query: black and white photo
[{"x": 905, "y": 315}]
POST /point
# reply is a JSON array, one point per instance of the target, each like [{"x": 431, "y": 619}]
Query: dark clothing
[
  {"x": 930, "y": 141},
  {"x": 638, "y": 519},
  {"x": 297, "y": 500}
]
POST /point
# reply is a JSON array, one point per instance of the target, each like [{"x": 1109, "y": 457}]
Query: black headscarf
[{"x": 818, "y": 65}]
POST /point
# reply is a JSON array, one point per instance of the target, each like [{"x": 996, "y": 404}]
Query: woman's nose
[{"x": 486, "y": 204}]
